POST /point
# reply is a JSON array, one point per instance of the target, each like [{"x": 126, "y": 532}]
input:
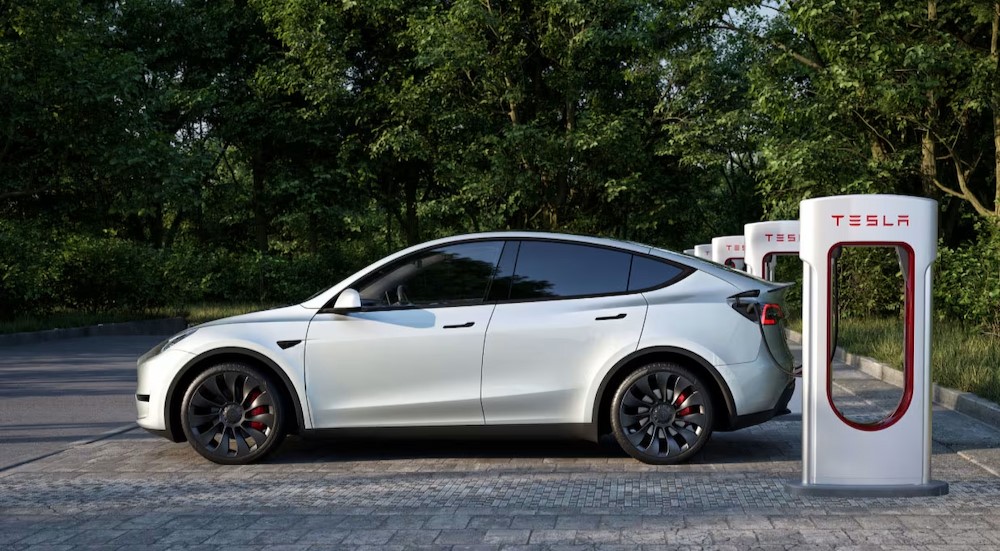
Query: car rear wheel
[
  {"x": 662, "y": 414},
  {"x": 233, "y": 414}
]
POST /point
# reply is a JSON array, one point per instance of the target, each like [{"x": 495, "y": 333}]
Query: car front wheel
[
  {"x": 233, "y": 414},
  {"x": 662, "y": 414}
]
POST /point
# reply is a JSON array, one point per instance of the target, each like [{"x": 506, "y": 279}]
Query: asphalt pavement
[{"x": 55, "y": 393}]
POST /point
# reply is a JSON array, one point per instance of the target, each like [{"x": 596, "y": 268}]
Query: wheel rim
[
  {"x": 231, "y": 414},
  {"x": 663, "y": 414}
]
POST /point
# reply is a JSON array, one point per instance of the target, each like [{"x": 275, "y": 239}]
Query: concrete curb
[
  {"x": 955, "y": 400},
  {"x": 167, "y": 326}
]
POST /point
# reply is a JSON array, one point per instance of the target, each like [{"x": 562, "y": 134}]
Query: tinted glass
[
  {"x": 647, "y": 273},
  {"x": 500, "y": 288},
  {"x": 563, "y": 270},
  {"x": 451, "y": 275}
]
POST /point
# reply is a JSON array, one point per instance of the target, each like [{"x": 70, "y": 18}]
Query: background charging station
[
  {"x": 889, "y": 457},
  {"x": 765, "y": 241},
  {"x": 689, "y": 252},
  {"x": 703, "y": 251},
  {"x": 729, "y": 250}
]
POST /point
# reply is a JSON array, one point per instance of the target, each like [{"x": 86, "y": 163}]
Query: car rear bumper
[{"x": 781, "y": 408}]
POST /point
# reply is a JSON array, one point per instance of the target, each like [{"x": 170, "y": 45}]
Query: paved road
[
  {"x": 134, "y": 490},
  {"x": 59, "y": 392}
]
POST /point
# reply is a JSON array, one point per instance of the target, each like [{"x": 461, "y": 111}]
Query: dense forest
[{"x": 168, "y": 151}]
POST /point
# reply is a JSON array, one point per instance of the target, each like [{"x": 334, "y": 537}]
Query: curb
[
  {"x": 949, "y": 398},
  {"x": 167, "y": 326}
]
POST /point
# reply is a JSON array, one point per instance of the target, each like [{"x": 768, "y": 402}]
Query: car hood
[{"x": 295, "y": 312}]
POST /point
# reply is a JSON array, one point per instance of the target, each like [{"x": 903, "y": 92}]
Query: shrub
[
  {"x": 967, "y": 280},
  {"x": 29, "y": 271},
  {"x": 110, "y": 274}
]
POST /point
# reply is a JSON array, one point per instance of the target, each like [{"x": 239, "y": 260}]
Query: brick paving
[{"x": 135, "y": 491}]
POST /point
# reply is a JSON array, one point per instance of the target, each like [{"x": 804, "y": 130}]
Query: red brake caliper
[
  {"x": 680, "y": 400},
  {"x": 256, "y": 425}
]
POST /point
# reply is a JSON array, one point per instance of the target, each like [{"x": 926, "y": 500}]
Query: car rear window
[
  {"x": 648, "y": 273},
  {"x": 557, "y": 270}
]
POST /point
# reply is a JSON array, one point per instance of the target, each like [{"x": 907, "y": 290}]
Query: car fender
[
  {"x": 262, "y": 345},
  {"x": 690, "y": 351}
]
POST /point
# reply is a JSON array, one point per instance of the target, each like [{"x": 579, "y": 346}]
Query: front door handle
[
  {"x": 618, "y": 317},
  {"x": 460, "y": 326}
]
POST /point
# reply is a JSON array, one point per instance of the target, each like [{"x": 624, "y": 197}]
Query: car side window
[
  {"x": 648, "y": 273},
  {"x": 445, "y": 276},
  {"x": 547, "y": 269}
]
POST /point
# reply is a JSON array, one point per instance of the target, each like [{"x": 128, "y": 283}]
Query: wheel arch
[
  {"x": 719, "y": 390},
  {"x": 205, "y": 360}
]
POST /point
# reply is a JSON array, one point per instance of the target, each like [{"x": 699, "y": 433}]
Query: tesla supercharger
[
  {"x": 703, "y": 251},
  {"x": 689, "y": 252},
  {"x": 891, "y": 456},
  {"x": 729, "y": 250},
  {"x": 766, "y": 241}
]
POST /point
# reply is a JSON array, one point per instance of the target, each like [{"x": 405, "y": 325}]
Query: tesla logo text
[
  {"x": 871, "y": 220},
  {"x": 782, "y": 237},
  {"x": 736, "y": 247}
]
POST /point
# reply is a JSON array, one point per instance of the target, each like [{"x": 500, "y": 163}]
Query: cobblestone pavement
[{"x": 137, "y": 491}]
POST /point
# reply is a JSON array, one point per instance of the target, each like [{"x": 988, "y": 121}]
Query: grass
[
  {"x": 193, "y": 313},
  {"x": 962, "y": 358}
]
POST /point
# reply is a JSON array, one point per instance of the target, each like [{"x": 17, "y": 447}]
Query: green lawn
[
  {"x": 193, "y": 313},
  {"x": 961, "y": 358}
]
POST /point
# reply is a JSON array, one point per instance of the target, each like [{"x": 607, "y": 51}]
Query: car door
[
  {"x": 413, "y": 355},
  {"x": 567, "y": 316}
]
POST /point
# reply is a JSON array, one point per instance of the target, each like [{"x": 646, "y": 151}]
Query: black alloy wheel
[
  {"x": 233, "y": 414},
  {"x": 662, "y": 414}
]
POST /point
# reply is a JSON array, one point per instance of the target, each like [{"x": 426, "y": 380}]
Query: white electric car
[{"x": 510, "y": 333}]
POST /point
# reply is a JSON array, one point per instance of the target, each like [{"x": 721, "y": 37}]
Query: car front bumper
[{"x": 155, "y": 372}]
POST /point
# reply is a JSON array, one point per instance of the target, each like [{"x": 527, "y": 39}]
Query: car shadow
[{"x": 731, "y": 448}]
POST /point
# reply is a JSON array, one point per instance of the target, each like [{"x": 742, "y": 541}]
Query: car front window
[{"x": 445, "y": 276}]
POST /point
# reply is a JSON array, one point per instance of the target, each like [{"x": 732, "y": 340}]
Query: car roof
[{"x": 569, "y": 237}]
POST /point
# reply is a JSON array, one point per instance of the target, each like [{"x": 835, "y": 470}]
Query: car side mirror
[{"x": 349, "y": 300}]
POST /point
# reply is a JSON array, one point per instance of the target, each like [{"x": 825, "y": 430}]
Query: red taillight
[{"x": 771, "y": 314}]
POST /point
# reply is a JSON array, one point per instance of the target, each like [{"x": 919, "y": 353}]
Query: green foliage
[
  {"x": 174, "y": 151},
  {"x": 870, "y": 282},
  {"x": 109, "y": 274},
  {"x": 29, "y": 271},
  {"x": 967, "y": 281}
]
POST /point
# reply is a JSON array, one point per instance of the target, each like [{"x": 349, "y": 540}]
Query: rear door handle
[
  {"x": 618, "y": 317},
  {"x": 460, "y": 326}
]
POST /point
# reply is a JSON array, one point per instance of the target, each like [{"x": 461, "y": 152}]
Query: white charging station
[
  {"x": 703, "y": 251},
  {"x": 689, "y": 252},
  {"x": 729, "y": 250},
  {"x": 891, "y": 456},
  {"x": 765, "y": 241}
]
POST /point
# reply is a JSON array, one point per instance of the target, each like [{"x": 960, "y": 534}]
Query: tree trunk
[
  {"x": 879, "y": 154},
  {"x": 412, "y": 223},
  {"x": 928, "y": 164},
  {"x": 156, "y": 227},
  {"x": 995, "y": 56},
  {"x": 258, "y": 207},
  {"x": 928, "y": 154}
]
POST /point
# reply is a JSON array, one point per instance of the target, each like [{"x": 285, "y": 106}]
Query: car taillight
[{"x": 771, "y": 314}]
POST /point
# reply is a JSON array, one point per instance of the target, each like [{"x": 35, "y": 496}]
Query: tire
[
  {"x": 662, "y": 414},
  {"x": 233, "y": 414}
]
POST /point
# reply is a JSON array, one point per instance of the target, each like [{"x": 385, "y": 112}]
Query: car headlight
[{"x": 178, "y": 338}]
